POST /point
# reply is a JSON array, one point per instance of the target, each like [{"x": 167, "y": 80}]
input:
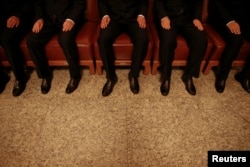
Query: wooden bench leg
[
  {"x": 99, "y": 68},
  {"x": 207, "y": 68},
  {"x": 154, "y": 68},
  {"x": 146, "y": 70},
  {"x": 91, "y": 69}
]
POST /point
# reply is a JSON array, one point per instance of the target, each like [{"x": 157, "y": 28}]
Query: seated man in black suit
[
  {"x": 184, "y": 17},
  {"x": 63, "y": 17},
  {"x": 15, "y": 22},
  {"x": 231, "y": 18},
  {"x": 122, "y": 16}
]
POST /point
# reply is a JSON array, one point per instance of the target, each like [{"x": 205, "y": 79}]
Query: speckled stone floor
[{"x": 84, "y": 129}]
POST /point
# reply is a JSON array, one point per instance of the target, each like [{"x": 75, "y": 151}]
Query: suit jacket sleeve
[
  {"x": 77, "y": 9},
  {"x": 198, "y": 9},
  {"x": 221, "y": 12},
  {"x": 24, "y": 9},
  {"x": 160, "y": 9},
  {"x": 39, "y": 9},
  {"x": 143, "y": 7},
  {"x": 103, "y": 8}
]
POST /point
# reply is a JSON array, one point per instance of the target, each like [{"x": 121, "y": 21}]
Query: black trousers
[
  {"x": 233, "y": 45},
  {"x": 246, "y": 69},
  {"x": 36, "y": 44},
  {"x": 10, "y": 39},
  {"x": 196, "y": 40},
  {"x": 106, "y": 39},
  {"x": 2, "y": 72}
]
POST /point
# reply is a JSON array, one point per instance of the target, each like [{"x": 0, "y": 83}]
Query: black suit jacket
[
  {"x": 170, "y": 8},
  {"x": 59, "y": 10},
  {"x": 123, "y": 9},
  {"x": 19, "y": 8},
  {"x": 223, "y": 11}
]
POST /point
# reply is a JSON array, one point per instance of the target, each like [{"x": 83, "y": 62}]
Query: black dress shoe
[
  {"x": 3, "y": 82},
  {"x": 72, "y": 85},
  {"x": 108, "y": 87},
  {"x": 220, "y": 85},
  {"x": 245, "y": 83},
  {"x": 19, "y": 87},
  {"x": 165, "y": 87},
  {"x": 46, "y": 84},
  {"x": 188, "y": 81},
  {"x": 134, "y": 84}
]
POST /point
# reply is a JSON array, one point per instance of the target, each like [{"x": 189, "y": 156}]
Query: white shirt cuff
[
  {"x": 70, "y": 20},
  {"x": 230, "y": 22},
  {"x": 105, "y": 16}
]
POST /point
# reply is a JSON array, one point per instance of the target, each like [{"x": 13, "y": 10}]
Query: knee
[
  {"x": 65, "y": 40},
  {"x": 203, "y": 40},
  {"x": 7, "y": 40},
  {"x": 236, "y": 40},
  {"x": 199, "y": 41},
  {"x": 105, "y": 38},
  {"x": 166, "y": 42},
  {"x": 31, "y": 40},
  {"x": 141, "y": 37}
]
